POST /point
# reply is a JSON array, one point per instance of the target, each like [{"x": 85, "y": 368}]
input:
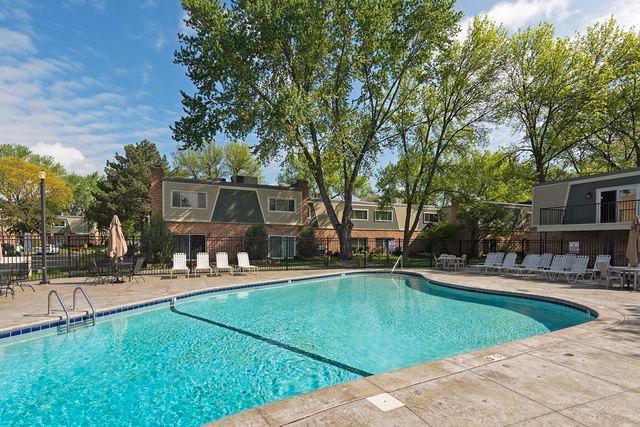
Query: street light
[{"x": 43, "y": 230}]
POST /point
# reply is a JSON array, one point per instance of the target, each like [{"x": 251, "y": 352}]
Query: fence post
[{"x": 68, "y": 255}]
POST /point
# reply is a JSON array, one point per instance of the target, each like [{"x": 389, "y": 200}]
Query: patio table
[
  {"x": 628, "y": 272},
  {"x": 449, "y": 261}
]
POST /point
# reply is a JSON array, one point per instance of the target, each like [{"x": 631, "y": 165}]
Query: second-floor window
[
  {"x": 282, "y": 205},
  {"x": 383, "y": 216},
  {"x": 360, "y": 214},
  {"x": 428, "y": 218},
  {"x": 188, "y": 199}
]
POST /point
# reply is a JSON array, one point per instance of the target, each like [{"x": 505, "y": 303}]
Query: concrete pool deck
[{"x": 585, "y": 375}]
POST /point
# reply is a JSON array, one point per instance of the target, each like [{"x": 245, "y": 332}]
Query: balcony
[{"x": 593, "y": 213}]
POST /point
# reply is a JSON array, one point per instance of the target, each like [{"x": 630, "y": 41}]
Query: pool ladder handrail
[
  {"x": 64, "y": 308},
  {"x": 87, "y": 299},
  {"x": 399, "y": 260}
]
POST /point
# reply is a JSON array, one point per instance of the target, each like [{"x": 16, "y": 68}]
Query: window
[
  {"x": 187, "y": 199},
  {"x": 282, "y": 205},
  {"x": 358, "y": 244},
  {"x": 190, "y": 244},
  {"x": 383, "y": 216},
  {"x": 282, "y": 247},
  {"x": 428, "y": 218},
  {"x": 385, "y": 244},
  {"x": 617, "y": 204},
  {"x": 360, "y": 215}
]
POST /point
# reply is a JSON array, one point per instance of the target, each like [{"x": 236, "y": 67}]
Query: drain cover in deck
[{"x": 385, "y": 402}]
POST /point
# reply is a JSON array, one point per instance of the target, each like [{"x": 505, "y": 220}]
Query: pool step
[{"x": 77, "y": 322}]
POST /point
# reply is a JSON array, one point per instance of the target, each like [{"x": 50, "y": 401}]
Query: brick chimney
[
  {"x": 156, "y": 190},
  {"x": 303, "y": 186}
]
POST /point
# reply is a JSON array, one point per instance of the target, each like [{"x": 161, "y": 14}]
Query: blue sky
[{"x": 79, "y": 79}]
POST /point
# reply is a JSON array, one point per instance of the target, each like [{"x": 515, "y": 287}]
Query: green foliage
[
  {"x": 125, "y": 188},
  {"x": 83, "y": 190},
  {"x": 442, "y": 231},
  {"x": 239, "y": 160},
  {"x": 25, "y": 153},
  {"x": 306, "y": 245},
  {"x": 202, "y": 163},
  {"x": 256, "y": 242},
  {"x": 157, "y": 241},
  {"x": 483, "y": 219},
  {"x": 315, "y": 79}
]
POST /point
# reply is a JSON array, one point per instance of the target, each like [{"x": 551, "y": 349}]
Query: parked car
[
  {"x": 51, "y": 250},
  {"x": 8, "y": 249}
]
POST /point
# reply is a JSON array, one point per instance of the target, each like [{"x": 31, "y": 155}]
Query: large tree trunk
[{"x": 344, "y": 237}]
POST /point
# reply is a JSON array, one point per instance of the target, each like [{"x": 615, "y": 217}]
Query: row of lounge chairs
[
  {"x": 203, "y": 266},
  {"x": 570, "y": 267}
]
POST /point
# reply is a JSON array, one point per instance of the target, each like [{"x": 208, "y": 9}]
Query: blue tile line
[{"x": 103, "y": 313}]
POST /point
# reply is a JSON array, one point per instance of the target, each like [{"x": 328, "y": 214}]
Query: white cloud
[
  {"x": 519, "y": 13},
  {"x": 15, "y": 42},
  {"x": 69, "y": 157},
  {"x": 626, "y": 13}
]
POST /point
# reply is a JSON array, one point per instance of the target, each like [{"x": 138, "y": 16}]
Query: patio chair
[
  {"x": 96, "y": 274},
  {"x": 545, "y": 261},
  {"x": 180, "y": 264},
  {"x": 557, "y": 266},
  {"x": 489, "y": 261},
  {"x": 508, "y": 262},
  {"x": 529, "y": 265},
  {"x": 441, "y": 261},
  {"x": 202, "y": 263},
  {"x": 5, "y": 282},
  {"x": 135, "y": 270},
  {"x": 578, "y": 268},
  {"x": 222, "y": 263},
  {"x": 600, "y": 258},
  {"x": 244, "y": 264},
  {"x": 607, "y": 276},
  {"x": 461, "y": 262},
  {"x": 18, "y": 275}
]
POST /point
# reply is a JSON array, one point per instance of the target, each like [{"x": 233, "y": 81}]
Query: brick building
[{"x": 196, "y": 211}]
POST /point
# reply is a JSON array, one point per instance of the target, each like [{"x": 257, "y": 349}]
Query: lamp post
[{"x": 43, "y": 230}]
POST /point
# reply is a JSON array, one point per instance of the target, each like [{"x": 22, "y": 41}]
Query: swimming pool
[{"x": 214, "y": 355}]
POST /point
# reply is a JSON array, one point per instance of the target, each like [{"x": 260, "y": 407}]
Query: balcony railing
[{"x": 593, "y": 213}]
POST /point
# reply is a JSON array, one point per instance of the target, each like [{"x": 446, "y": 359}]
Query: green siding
[{"x": 237, "y": 206}]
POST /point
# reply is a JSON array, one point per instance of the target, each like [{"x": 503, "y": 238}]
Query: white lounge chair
[
  {"x": 222, "y": 263},
  {"x": 557, "y": 266},
  {"x": 599, "y": 258},
  {"x": 489, "y": 261},
  {"x": 202, "y": 263},
  {"x": 244, "y": 264},
  {"x": 578, "y": 268},
  {"x": 180, "y": 264},
  {"x": 508, "y": 262},
  {"x": 529, "y": 265},
  {"x": 545, "y": 261}
]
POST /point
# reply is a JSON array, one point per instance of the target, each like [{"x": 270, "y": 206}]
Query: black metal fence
[{"x": 71, "y": 256}]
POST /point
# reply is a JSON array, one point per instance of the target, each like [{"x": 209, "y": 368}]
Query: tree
[
  {"x": 239, "y": 160},
  {"x": 547, "y": 93},
  {"x": 20, "y": 194},
  {"x": 318, "y": 79},
  {"x": 443, "y": 118},
  {"x": 23, "y": 152},
  {"x": 203, "y": 163},
  {"x": 306, "y": 244},
  {"x": 156, "y": 241},
  {"x": 257, "y": 242},
  {"x": 483, "y": 219},
  {"x": 83, "y": 190},
  {"x": 125, "y": 188}
]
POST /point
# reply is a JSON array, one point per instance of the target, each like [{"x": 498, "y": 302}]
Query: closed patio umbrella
[
  {"x": 117, "y": 245},
  {"x": 632, "y": 244}
]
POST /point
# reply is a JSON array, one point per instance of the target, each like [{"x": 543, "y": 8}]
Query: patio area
[{"x": 584, "y": 375}]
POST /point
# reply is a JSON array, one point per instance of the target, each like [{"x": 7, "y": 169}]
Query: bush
[
  {"x": 257, "y": 242},
  {"x": 157, "y": 241},
  {"x": 441, "y": 231},
  {"x": 306, "y": 245}
]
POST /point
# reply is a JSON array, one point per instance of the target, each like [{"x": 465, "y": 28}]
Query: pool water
[{"x": 222, "y": 353}]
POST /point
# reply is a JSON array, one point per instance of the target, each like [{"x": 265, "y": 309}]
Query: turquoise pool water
[{"x": 222, "y": 353}]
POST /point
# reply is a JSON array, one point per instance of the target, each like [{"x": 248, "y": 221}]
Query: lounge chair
[
  {"x": 545, "y": 261},
  {"x": 180, "y": 264},
  {"x": 606, "y": 275},
  {"x": 244, "y": 264},
  {"x": 578, "y": 268},
  {"x": 599, "y": 258},
  {"x": 202, "y": 263},
  {"x": 508, "y": 262},
  {"x": 557, "y": 266},
  {"x": 529, "y": 265},
  {"x": 222, "y": 263},
  {"x": 135, "y": 270},
  {"x": 489, "y": 261}
]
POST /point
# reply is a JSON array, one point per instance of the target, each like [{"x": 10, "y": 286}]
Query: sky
[{"x": 79, "y": 79}]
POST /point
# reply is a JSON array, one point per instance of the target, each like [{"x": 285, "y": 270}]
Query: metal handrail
[
  {"x": 399, "y": 260},
  {"x": 589, "y": 213},
  {"x": 86, "y": 297},
  {"x": 64, "y": 308}
]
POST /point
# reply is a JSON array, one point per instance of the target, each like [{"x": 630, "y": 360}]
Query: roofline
[
  {"x": 229, "y": 183},
  {"x": 369, "y": 203},
  {"x": 595, "y": 175}
]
